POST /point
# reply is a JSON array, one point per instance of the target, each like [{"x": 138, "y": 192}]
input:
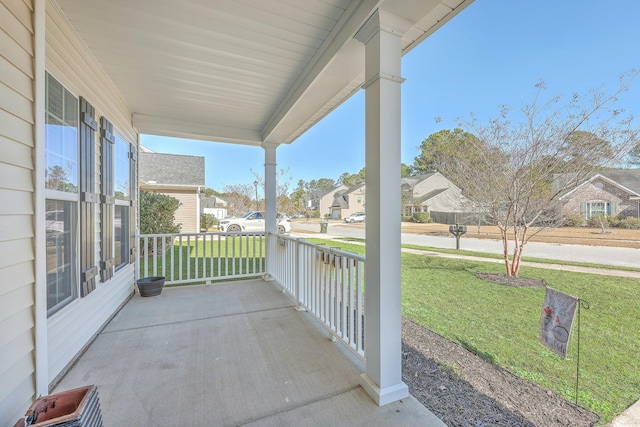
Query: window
[
  {"x": 61, "y": 138},
  {"x": 61, "y": 189},
  {"x": 121, "y": 235},
  {"x": 597, "y": 207},
  {"x": 122, "y": 202}
]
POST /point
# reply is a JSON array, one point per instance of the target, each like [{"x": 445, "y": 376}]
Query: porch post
[
  {"x": 270, "y": 193},
  {"x": 383, "y": 346}
]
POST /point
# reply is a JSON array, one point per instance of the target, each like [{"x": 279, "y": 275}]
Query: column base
[{"x": 383, "y": 396}]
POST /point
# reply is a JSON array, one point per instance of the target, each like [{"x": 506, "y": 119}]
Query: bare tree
[
  {"x": 239, "y": 197},
  {"x": 283, "y": 183},
  {"x": 512, "y": 174}
]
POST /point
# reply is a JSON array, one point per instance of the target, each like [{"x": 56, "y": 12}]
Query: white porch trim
[
  {"x": 381, "y": 35},
  {"x": 40, "y": 312}
]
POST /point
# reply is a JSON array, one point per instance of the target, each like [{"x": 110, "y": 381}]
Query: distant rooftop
[{"x": 171, "y": 169}]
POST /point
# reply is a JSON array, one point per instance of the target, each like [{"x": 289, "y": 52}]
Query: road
[{"x": 625, "y": 257}]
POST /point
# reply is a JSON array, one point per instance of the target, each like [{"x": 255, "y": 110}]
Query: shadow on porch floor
[{"x": 229, "y": 354}]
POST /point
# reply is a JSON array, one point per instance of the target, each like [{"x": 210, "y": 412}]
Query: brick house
[{"x": 613, "y": 192}]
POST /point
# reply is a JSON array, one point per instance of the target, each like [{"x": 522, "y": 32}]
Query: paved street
[{"x": 578, "y": 253}]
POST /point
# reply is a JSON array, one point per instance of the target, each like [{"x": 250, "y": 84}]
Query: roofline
[{"x": 604, "y": 178}]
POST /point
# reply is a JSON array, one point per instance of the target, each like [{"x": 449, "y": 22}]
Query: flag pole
[{"x": 581, "y": 304}]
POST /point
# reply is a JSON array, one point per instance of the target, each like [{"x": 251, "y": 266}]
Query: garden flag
[{"x": 556, "y": 320}]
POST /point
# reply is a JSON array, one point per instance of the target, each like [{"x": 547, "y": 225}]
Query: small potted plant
[{"x": 150, "y": 286}]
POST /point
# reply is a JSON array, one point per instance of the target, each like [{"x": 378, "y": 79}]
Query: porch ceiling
[{"x": 239, "y": 71}]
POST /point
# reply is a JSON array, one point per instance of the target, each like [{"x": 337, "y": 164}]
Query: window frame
[{"x": 57, "y": 195}]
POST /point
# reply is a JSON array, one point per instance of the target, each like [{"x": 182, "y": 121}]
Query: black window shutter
[
  {"x": 88, "y": 199},
  {"x": 107, "y": 199},
  {"x": 133, "y": 180}
]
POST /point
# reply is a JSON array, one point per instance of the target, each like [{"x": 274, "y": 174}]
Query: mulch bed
[
  {"x": 465, "y": 390},
  {"x": 518, "y": 282}
]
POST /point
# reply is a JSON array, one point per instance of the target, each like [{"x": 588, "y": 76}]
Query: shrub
[
  {"x": 406, "y": 219},
  {"x": 316, "y": 214},
  {"x": 573, "y": 220},
  {"x": 598, "y": 221},
  {"x": 629, "y": 223},
  {"x": 422, "y": 217},
  {"x": 614, "y": 220},
  {"x": 157, "y": 212},
  {"x": 207, "y": 221}
]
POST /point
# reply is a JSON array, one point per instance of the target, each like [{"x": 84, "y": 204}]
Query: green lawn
[
  {"x": 501, "y": 324},
  {"x": 236, "y": 255}
]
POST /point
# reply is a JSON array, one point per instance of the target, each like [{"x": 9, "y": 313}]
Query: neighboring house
[
  {"x": 177, "y": 176},
  {"x": 432, "y": 193},
  {"x": 215, "y": 206},
  {"x": 612, "y": 192},
  {"x": 348, "y": 201},
  {"x": 321, "y": 201}
]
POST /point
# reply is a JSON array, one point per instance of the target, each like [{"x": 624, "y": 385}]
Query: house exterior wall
[
  {"x": 325, "y": 202},
  {"x": 187, "y": 213},
  {"x": 36, "y": 349},
  {"x": 450, "y": 200},
  {"x": 17, "y": 189},
  {"x": 609, "y": 193},
  {"x": 357, "y": 203}
]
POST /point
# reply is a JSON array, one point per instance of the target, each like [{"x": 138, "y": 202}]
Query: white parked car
[
  {"x": 253, "y": 221},
  {"x": 355, "y": 217}
]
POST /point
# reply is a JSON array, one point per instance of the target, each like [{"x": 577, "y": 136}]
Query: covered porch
[{"x": 227, "y": 354}]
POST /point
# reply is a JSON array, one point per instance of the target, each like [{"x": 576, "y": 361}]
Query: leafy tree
[
  {"x": 405, "y": 170},
  {"x": 320, "y": 185},
  {"x": 157, "y": 213},
  {"x": 210, "y": 192},
  {"x": 634, "y": 155},
  {"x": 511, "y": 171},
  {"x": 438, "y": 150}
]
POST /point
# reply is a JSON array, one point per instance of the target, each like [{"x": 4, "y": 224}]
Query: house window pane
[
  {"x": 122, "y": 179},
  {"x": 61, "y": 138},
  {"x": 598, "y": 207},
  {"x": 61, "y": 223},
  {"x": 121, "y": 234}
]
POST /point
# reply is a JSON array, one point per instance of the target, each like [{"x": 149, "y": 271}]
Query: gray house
[
  {"x": 432, "y": 193},
  {"x": 177, "y": 176}
]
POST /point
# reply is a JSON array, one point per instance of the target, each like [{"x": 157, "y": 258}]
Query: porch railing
[
  {"x": 326, "y": 282},
  {"x": 202, "y": 257}
]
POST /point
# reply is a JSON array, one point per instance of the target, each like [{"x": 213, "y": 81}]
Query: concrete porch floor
[{"x": 230, "y": 354}]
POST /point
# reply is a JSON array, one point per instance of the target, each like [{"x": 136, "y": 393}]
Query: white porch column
[
  {"x": 383, "y": 346},
  {"x": 270, "y": 194}
]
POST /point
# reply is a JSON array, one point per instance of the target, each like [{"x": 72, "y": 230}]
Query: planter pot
[
  {"x": 150, "y": 286},
  {"x": 77, "y": 407}
]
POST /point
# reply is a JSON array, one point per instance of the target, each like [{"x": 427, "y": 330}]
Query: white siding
[
  {"x": 17, "y": 266},
  {"x": 69, "y": 61}
]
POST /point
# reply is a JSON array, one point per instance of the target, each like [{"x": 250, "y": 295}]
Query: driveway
[{"x": 624, "y": 257}]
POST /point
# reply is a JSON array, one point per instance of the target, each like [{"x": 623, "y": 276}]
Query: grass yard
[
  {"x": 210, "y": 259},
  {"x": 500, "y": 323}
]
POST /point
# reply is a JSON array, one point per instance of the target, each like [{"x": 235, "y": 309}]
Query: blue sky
[{"x": 492, "y": 53}]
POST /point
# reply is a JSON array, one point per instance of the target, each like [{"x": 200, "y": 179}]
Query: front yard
[{"x": 500, "y": 323}]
